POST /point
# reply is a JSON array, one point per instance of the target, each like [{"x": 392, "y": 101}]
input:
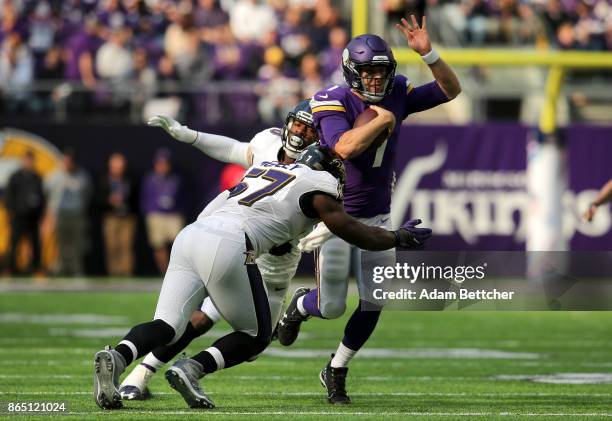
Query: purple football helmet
[{"x": 368, "y": 50}]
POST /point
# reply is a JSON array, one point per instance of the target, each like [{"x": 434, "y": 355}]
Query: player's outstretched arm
[
  {"x": 604, "y": 196},
  {"x": 221, "y": 148},
  {"x": 418, "y": 40},
  {"x": 364, "y": 236}
]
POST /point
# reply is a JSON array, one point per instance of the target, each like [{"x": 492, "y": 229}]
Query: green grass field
[{"x": 426, "y": 365}]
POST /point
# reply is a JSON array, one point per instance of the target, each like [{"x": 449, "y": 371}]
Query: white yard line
[
  {"x": 254, "y": 377},
  {"x": 61, "y": 318},
  {"x": 353, "y": 414},
  {"x": 305, "y": 394},
  {"x": 306, "y": 336},
  {"x": 267, "y": 378},
  {"x": 373, "y": 353}
]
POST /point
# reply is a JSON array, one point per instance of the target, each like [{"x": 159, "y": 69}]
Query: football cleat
[
  {"x": 132, "y": 393},
  {"x": 289, "y": 325},
  {"x": 109, "y": 365},
  {"x": 134, "y": 387},
  {"x": 183, "y": 377},
  {"x": 334, "y": 379}
]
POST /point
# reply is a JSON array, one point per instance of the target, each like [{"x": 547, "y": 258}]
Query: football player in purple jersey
[{"x": 369, "y": 71}]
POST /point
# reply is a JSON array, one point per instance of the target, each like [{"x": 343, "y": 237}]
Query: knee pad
[
  {"x": 332, "y": 309},
  {"x": 334, "y": 267},
  {"x": 335, "y": 260}
]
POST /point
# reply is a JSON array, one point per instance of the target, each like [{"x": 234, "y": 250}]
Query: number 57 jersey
[{"x": 272, "y": 203}]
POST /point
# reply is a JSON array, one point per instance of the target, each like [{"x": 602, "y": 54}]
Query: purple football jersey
[{"x": 369, "y": 176}]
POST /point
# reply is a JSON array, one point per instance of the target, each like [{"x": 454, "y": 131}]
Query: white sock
[
  {"x": 300, "y": 306},
  {"x": 216, "y": 354},
  {"x": 132, "y": 347},
  {"x": 152, "y": 361},
  {"x": 343, "y": 356},
  {"x": 139, "y": 377}
]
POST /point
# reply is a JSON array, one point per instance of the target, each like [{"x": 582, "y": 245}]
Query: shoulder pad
[{"x": 329, "y": 99}]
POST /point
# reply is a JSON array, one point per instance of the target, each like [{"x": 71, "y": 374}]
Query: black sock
[
  {"x": 209, "y": 365},
  {"x": 145, "y": 337},
  {"x": 167, "y": 352},
  {"x": 236, "y": 348},
  {"x": 359, "y": 328}
]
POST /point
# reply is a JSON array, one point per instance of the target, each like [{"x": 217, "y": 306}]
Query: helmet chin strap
[{"x": 372, "y": 98}]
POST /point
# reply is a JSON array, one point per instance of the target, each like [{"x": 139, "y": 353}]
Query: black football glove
[{"x": 411, "y": 237}]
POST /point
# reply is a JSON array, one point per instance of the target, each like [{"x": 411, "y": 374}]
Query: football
[{"x": 365, "y": 117}]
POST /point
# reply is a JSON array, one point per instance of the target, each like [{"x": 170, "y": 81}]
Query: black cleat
[
  {"x": 289, "y": 325},
  {"x": 334, "y": 380}
]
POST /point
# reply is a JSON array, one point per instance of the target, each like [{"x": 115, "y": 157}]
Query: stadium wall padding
[{"x": 466, "y": 182}]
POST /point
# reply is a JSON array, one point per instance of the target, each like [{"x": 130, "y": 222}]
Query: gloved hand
[
  {"x": 315, "y": 239},
  {"x": 174, "y": 128},
  {"x": 409, "y": 236}
]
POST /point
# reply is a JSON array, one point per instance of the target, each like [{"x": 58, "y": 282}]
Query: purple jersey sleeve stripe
[{"x": 424, "y": 97}]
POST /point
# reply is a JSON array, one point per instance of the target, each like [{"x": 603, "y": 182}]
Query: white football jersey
[
  {"x": 266, "y": 145},
  {"x": 278, "y": 270},
  {"x": 266, "y": 204}
]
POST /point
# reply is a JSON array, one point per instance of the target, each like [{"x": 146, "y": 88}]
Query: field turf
[{"x": 422, "y": 365}]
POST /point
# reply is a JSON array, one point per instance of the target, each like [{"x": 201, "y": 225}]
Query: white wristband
[{"x": 431, "y": 57}]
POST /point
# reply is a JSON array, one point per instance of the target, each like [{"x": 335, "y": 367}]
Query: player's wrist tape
[{"x": 431, "y": 57}]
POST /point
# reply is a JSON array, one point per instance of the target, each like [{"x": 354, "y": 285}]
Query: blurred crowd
[
  {"x": 64, "y": 204},
  {"x": 560, "y": 24},
  {"x": 139, "y": 57},
  {"x": 117, "y": 52}
]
